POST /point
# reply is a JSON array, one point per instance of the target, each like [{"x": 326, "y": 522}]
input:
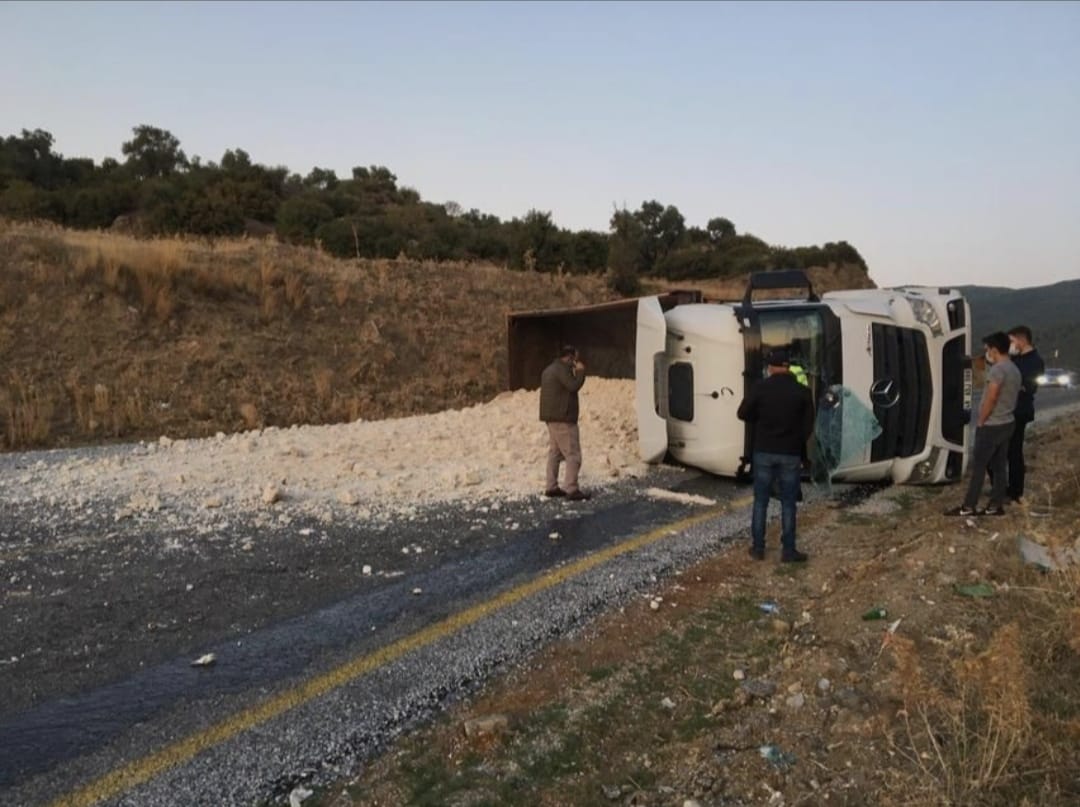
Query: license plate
[{"x": 967, "y": 388}]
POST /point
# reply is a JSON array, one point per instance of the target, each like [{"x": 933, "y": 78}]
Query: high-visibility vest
[{"x": 800, "y": 374}]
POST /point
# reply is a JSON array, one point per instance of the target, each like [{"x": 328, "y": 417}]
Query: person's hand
[{"x": 579, "y": 365}]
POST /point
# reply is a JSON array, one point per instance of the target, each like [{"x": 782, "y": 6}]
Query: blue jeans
[{"x": 785, "y": 469}]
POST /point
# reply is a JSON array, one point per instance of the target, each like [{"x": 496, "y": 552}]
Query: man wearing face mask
[
  {"x": 995, "y": 427},
  {"x": 1031, "y": 366}
]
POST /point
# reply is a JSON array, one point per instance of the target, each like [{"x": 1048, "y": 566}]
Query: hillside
[
  {"x": 1050, "y": 311},
  {"x": 106, "y": 336}
]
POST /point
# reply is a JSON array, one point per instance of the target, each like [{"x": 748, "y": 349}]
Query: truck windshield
[{"x": 802, "y": 333}]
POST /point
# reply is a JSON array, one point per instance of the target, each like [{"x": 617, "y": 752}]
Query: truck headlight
[
  {"x": 1041, "y": 379},
  {"x": 925, "y": 469},
  {"x": 925, "y": 313}
]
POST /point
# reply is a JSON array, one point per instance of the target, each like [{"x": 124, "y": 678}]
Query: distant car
[{"x": 1056, "y": 377}]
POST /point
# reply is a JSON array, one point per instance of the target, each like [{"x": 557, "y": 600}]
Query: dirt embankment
[
  {"x": 747, "y": 683},
  {"x": 104, "y": 336}
]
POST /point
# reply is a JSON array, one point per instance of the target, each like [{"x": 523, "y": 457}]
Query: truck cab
[{"x": 888, "y": 370}]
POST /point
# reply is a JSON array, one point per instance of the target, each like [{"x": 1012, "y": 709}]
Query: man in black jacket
[
  {"x": 782, "y": 413},
  {"x": 1031, "y": 366}
]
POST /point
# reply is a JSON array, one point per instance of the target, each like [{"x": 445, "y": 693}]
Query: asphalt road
[{"x": 101, "y": 620}]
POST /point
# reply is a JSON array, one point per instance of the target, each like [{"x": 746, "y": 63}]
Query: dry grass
[
  {"x": 27, "y": 413},
  {"x": 1000, "y": 726},
  {"x": 182, "y": 333},
  {"x": 965, "y": 732}
]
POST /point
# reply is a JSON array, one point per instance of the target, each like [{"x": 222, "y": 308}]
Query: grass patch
[{"x": 601, "y": 673}]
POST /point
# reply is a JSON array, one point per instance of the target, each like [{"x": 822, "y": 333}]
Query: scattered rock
[
  {"x": 780, "y": 627},
  {"x": 823, "y": 685},
  {"x": 271, "y": 493},
  {"x": 485, "y": 725},
  {"x": 611, "y": 792},
  {"x": 366, "y": 569},
  {"x": 654, "y": 605},
  {"x": 739, "y": 675},
  {"x": 298, "y": 796},
  {"x": 347, "y": 497},
  {"x": 213, "y": 502},
  {"x": 796, "y": 701},
  {"x": 758, "y": 688},
  {"x": 848, "y": 698},
  {"x": 668, "y": 704},
  {"x": 343, "y": 799},
  {"x": 205, "y": 660}
]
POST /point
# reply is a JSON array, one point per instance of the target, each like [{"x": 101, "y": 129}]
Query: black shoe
[
  {"x": 553, "y": 492},
  {"x": 794, "y": 556},
  {"x": 578, "y": 496},
  {"x": 757, "y": 554},
  {"x": 962, "y": 511},
  {"x": 991, "y": 511}
]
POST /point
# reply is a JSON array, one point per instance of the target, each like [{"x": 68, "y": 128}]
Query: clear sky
[{"x": 941, "y": 139}]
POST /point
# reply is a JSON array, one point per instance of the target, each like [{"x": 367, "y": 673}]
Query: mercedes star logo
[{"x": 884, "y": 393}]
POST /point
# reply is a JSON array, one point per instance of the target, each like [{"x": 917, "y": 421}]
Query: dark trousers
[
  {"x": 784, "y": 470},
  {"x": 990, "y": 454},
  {"x": 1017, "y": 466}
]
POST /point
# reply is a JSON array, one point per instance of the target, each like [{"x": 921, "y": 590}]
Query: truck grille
[
  {"x": 954, "y": 415},
  {"x": 900, "y": 355},
  {"x": 957, "y": 314}
]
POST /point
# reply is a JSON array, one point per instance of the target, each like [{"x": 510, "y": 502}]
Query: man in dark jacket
[
  {"x": 1031, "y": 366},
  {"x": 781, "y": 411},
  {"x": 559, "y": 385}
]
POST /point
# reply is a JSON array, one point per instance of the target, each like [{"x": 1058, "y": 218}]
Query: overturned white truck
[{"x": 889, "y": 369}]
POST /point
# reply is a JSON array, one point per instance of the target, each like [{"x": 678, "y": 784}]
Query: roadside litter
[
  {"x": 976, "y": 590},
  {"x": 877, "y": 612},
  {"x": 204, "y": 661},
  {"x": 779, "y": 759},
  {"x": 769, "y": 607},
  {"x": 1046, "y": 558}
]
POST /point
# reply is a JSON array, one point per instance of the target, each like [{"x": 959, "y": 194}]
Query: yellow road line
[{"x": 142, "y": 770}]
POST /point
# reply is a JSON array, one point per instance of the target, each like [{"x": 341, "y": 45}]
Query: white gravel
[{"x": 374, "y": 470}]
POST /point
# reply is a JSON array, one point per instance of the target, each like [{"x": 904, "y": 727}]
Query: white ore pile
[{"x": 367, "y": 469}]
